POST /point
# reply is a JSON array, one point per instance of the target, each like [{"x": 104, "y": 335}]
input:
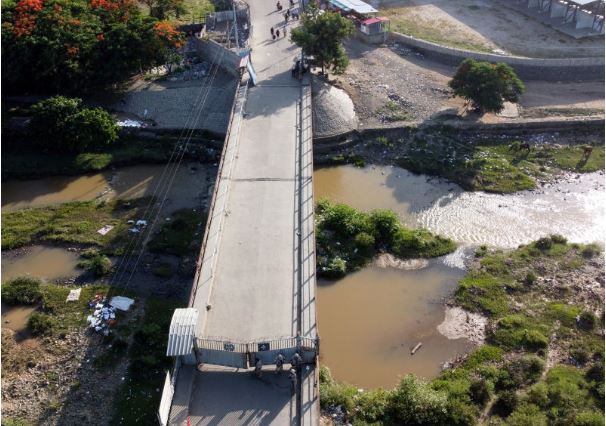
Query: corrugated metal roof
[
  {"x": 356, "y": 5},
  {"x": 182, "y": 332}
]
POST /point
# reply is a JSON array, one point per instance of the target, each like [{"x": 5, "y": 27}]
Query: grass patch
[
  {"x": 181, "y": 235},
  {"x": 22, "y": 291},
  {"x": 72, "y": 223},
  {"x": 137, "y": 399},
  {"x": 392, "y": 112},
  {"x": 494, "y": 167},
  {"x": 347, "y": 239},
  {"x": 163, "y": 270}
]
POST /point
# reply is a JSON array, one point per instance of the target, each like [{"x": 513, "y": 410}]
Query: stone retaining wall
[
  {"x": 566, "y": 69},
  {"x": 210, "y": 50}
]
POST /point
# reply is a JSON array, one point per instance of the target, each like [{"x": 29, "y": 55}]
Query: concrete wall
[
  {"x": 572, "y": 69},
  {"x": 209, "y": 50}
]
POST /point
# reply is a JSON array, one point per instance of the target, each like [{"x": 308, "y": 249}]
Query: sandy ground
[
  {"x": 460, "y": 324},
  {"x": 387, "y": 260},
  {"x": 485, "y": 25},
  {"x": 419, "y": 88}
]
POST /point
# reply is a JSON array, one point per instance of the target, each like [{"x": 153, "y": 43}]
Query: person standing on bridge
[
  {"x": 258, "y": 367},
  {"x": 272, "y": 33},
  {"x": 296, "y": 360},
  {"x": 279, "y": 363},
  {"x": 292, "y": 376}
]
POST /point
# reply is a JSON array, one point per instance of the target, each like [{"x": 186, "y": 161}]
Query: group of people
[
  {"x": 295, "y": 362},
  {"x": 276, "y": 33},
  {"x": 298, "y": 69}
]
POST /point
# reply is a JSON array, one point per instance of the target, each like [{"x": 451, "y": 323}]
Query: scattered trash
[
  {"x": 130, "y": 123},
  {"x": 73, "y": 295},
  {"x": 105, "y": 229},
  {"x": 141, "y": 222},
  {"x": 130, "y": 222},
  {"x": 103, "y": 317},
  {"x": 121, "y": 302},
  {"x": 134, "y": 230},
  {"x": 416, "y": 348}
]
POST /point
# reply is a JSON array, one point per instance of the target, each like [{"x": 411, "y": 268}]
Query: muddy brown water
[
  {"x": 49, "y": 263},
  {"x": 188, "y": 186},
  {"x": 15, "y": 317},
  {"x": 573, "y": 208},
  {"x": 370, "y": 320}
]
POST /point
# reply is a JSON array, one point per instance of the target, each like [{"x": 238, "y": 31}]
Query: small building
[{"x": 369, "y": 27}]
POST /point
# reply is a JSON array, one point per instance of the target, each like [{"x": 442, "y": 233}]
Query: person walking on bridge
[
  {"x": 258, "y": 367},
  {"x": 279, "y": 363},
  {"x": 271, "y": 30},
  {"x": 292, "y": 376}
]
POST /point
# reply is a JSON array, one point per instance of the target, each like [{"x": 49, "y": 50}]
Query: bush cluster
[
  {"x": 61, "y": 124},
  {"x": 22, "y": 291},
  {"x": 347, "y": 238}
]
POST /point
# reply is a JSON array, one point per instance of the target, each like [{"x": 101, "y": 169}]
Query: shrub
[
  {"x": 40, "y": 324},
  {"x": 99, "y": 265},
  {"x": 163, "y": 270},
  {"x": 589, "y": 418},
  {"x": 590, "y": 250},
  {"x": 527, "y": 415},
  {"x": 336, "y": 268},
  {"x": 61, "y": 124},
  {"x": 480, "y": 391},
  {"x": 22, "y": 291},
  {"x": 524, "y": 371},
  {"x": 415, "y": 402},
  {"x": 544, "y": 243},
  {"x": 587, "y": 321},
  {"x": 558, "y": 239},
  {"x": 385, "y": 223},
  {"x": 506, "y": 403},
  {"x": 517, "y": 331},
  {"x": 579, "y": 355},
  {"x": 365, "y": 243},
  {"x": 530, "y": 279},
  {"x": 371, "y": 406},
  {"x": 595, "y": 373}
]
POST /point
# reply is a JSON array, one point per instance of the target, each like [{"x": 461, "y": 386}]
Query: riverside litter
[{"x": 104, "y": 316}]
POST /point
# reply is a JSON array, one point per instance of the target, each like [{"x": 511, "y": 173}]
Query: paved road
[{"x": 253, "y": 287}]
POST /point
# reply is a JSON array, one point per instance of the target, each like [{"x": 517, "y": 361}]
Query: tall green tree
[
  {"x": 162, "y": 9},
  {"x": 78, "y": 45},
  {"x": 486, "y": 85},
  {"x": 320, "y": 36}
]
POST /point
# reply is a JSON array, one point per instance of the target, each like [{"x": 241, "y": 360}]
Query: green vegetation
[
  {"x": 22, "y": 291},
  {"x": 137, "y": 400},
  {"x": 494, "y": 166},
  {"x": 392, "y": 112},
  {"x": 79, "y": 45},
  {"x": 21, "y": 160},
  {"x": 348, "y": 239},
  {"x": 320, "y": 35},
  {"x": 181, "y": 235},
  {"x": 99, "y": 265},
  {"x": 61, "y": 124},
  {"x": 530, "y": 321},
  {"x": 72, "y": 223},
  {"x": 486, "y": 85}
]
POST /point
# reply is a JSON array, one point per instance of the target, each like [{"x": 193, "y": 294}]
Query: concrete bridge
[{"x": 254, "y": 291}]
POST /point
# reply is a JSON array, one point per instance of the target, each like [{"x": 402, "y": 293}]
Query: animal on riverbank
[
  {"x": 587, "y": 150},
  {"x": 519, "y": 146}
]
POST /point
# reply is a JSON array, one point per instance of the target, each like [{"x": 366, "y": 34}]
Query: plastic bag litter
[
  {"x": 73, "y": 295},
  {"x": 121, "y": 302}
]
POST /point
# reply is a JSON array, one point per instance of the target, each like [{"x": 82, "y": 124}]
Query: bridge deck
[{"x": 257, "y": 281}]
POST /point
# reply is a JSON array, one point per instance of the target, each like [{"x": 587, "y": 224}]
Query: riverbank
[
  {"x": 23, "y": 162},
  {"x": 67, "y": 374},
  {"x": 543, "y": 360},
  {"x": 476, "y": 162}
]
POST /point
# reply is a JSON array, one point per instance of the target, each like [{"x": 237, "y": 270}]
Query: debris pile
[{"x": 104, "y": 315}]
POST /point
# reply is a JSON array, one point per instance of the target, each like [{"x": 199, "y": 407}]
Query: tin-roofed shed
[{"x": 182, "y": 334}]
